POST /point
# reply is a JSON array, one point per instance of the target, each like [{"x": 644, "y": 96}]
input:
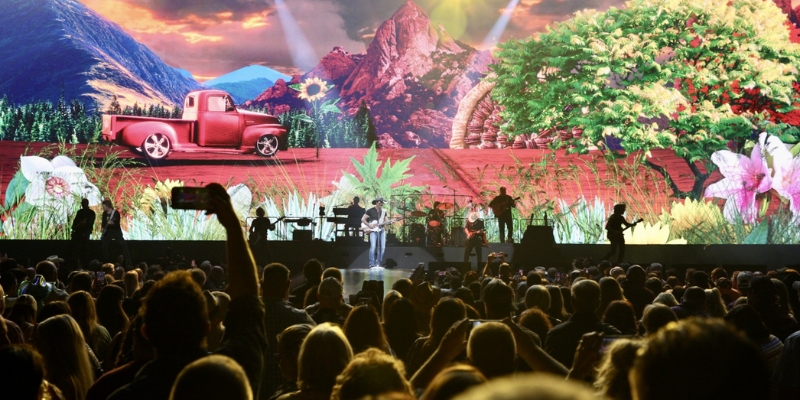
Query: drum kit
[{"x": 432, "y": 232}]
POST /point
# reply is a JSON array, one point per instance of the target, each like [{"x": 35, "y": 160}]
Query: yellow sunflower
[{"x": 313, "y": 89}]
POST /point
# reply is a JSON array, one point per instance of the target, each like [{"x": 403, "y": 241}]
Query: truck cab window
[
  {"x": 189, "y": 102},
  {"x": 217, "y": 103},
  {"x": 229, "y": 106}
]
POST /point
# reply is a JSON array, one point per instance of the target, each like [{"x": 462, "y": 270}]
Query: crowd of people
[{"x": 174, "y": 330}]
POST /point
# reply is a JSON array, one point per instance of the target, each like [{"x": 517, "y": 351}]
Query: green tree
[
  {"x": 657, "y": 74},
  {"x": 114, "y": 108}
]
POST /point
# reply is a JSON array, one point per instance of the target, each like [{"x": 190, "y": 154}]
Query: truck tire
[
  {"x": 156, "y": 146},
  {"x": 267, "y": 145}
]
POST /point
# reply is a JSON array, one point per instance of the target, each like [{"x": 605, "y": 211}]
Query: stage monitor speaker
[
  {"x": 538, "y": 236},
  {"x": 302, "y": 235}
]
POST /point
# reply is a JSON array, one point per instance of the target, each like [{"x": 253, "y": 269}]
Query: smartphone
[
  {"x": 190, "y": 198},
  {"x": 607, "y": 340},
  {"x": 442, "y": 273},
  {"x": 101, "y": 278},
  {"x": 473, "y": 323},
  {"x": 418, "y": 273}
]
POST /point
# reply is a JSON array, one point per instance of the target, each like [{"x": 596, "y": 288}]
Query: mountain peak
[{"x": 76, "y": 49}]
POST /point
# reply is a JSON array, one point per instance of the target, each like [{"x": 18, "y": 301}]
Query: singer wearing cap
[{"x": 373, "y": 222}]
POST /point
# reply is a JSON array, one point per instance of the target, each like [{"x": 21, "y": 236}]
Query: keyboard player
[{"x": 354, "y": 214}]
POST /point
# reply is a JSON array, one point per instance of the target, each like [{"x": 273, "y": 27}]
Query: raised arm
[{"x": 242, "y": 275}]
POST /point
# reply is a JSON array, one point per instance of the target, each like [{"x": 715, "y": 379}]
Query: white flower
[{"x": 57, "y": 185}]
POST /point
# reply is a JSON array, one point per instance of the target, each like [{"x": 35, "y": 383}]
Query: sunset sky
[{"x": 212, "y": 37}]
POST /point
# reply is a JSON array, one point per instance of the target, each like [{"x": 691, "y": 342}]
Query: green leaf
[
  {"x": 303, "y": 117},
  {"x": 330, "y": 108},
  {"x": 759, "y": 234},
  {"x": 296, "y": 86},
  {"x": 16, "y": 189},
  {"x": 24, "y": 213}
]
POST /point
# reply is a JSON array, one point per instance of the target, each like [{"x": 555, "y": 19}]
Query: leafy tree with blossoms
[{"x": 679, "y": 74}]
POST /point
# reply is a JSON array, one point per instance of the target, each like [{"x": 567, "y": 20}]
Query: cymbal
[
  {"x": 418, "y": 213},
  {"x": 445, "y": 206}
]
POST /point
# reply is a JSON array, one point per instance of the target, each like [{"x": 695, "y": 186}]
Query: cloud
[
  {"x": 226, "y": 45},
  {"x": 203, "y": 10}
]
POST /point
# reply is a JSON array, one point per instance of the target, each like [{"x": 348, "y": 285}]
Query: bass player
[{"x": 501, "y": 206}]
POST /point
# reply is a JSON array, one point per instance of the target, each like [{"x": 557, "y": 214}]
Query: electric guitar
[
  {"x": 255, "y": 236},
  {"x": 377, "y": 226},
  {"x": 633, "y": 224},
  {"x": 500, "y": 207},
  {"x": 626, "y": 228}
]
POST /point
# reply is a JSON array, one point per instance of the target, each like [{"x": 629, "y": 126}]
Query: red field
[{"x": 470, "y": 172}]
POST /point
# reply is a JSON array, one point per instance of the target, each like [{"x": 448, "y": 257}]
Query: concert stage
[{"x": 294, "y": 253}]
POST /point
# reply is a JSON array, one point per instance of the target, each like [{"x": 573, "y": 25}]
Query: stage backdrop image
[{"x": 685, "y": 110}]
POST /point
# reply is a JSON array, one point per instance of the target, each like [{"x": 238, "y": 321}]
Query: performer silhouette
[
  {"x": 113, "y": 231},
  {"x": 82, "y": 227},
  {"x": 259, "y": 229},
  {"x": 501, "y": 206},
  {"x": 615, "y": 231}
]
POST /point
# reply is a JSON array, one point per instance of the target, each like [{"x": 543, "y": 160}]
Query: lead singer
[{"x": 373, "y": 222}]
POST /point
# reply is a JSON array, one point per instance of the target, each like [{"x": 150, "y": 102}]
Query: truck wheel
[
  {"x": 156, "y": 146},
  {"x": 267, "y": 145}
]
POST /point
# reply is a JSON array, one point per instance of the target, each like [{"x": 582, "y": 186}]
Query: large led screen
[{"x": 685, "y": 110}]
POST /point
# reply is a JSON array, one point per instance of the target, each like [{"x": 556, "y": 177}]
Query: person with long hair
[
  {"x": 23, "y": 313},
  {"x": 323, "y": 356},
  {"x": 557, "y": 309},
  {"x": 363, "y": 330},
  {"x": 388, "y": 300},
  {"x": 610, "y": 290},
  {"x": 83, "y": 311},
  {"x": 61, "y": 344},
  {"x": 446, "y": 313},
  {"x": 715, "y": 307},
  {"x": 400, "y": 327},
  {"x": 109, "y": 309},
  {"x": 620, "y": 315},
  {"x": 612, "y": 373}
]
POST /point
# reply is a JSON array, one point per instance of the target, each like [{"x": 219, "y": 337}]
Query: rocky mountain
[
  {"x": 47, "y": 45},
  {"x": 412, "y": 78}
]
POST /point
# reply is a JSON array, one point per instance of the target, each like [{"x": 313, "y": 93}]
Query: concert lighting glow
[{"x": 500, "y": 26}]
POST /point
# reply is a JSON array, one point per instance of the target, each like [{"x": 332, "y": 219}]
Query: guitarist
[
  {"x": 376, "y": 218},
  {"x": 501, "y": 206},
  {"x": 259, "y": 229},
  {"x": 476, "y": 237},
  {"x": 616, "y": 231}
]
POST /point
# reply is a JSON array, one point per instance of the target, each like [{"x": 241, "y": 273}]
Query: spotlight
[{"x": 500, "y": 26}]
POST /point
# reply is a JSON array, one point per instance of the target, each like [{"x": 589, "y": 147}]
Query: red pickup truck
[{"x": 210, "y": 124}]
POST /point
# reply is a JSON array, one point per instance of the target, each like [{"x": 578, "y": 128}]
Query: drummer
[{"x": 436, "y": 214}]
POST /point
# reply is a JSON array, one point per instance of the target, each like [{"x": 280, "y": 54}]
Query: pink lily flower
[{"x": 744, "y": 178}]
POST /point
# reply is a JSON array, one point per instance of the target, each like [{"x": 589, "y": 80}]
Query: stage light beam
[
  {"x": 300, "y": 49},
  {"x": 500, "y": 26}
]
